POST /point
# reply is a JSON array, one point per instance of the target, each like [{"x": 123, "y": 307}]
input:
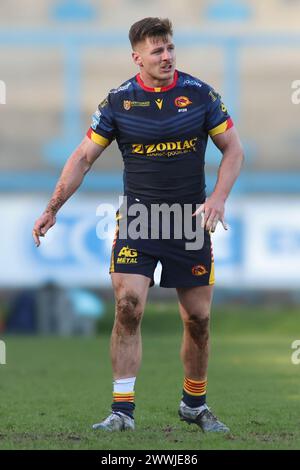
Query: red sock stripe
[
  {"x": 194, "y": 387},
  {"x": 123, "y": 397}
]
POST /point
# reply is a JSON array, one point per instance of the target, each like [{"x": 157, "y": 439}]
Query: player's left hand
[{"x": 212, "y": 212}]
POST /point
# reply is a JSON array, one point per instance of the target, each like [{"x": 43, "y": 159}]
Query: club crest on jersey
[
  {"x": 182, "y": 101},
  {"x": 127, "y": 105},
  {"x": 199, "y": 270}
]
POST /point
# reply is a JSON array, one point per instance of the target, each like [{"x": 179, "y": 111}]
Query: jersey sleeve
[
  {"x": 217, "y": 118},
  {"x": 102, "y": 130}
]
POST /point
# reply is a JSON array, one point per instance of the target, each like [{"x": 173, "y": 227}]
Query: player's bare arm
[
  {"x": 78, "y": 164},
  {"x": 214, "y": 207}
]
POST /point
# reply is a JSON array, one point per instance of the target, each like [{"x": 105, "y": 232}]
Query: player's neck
[{"x": 152, "y": 82}]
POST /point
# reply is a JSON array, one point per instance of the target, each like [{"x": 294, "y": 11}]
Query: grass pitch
[{"x": 53, "y": 389}]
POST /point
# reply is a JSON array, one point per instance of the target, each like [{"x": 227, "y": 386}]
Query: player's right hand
[{"x": 42, "y": 225}]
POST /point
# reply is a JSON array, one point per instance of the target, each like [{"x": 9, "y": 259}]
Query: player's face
[{"x": 156, "y": 59}]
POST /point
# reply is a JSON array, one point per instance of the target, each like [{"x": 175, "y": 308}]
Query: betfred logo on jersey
[
  {"x": 199, "y": 270},
  {"x": 182, "y": 101}
]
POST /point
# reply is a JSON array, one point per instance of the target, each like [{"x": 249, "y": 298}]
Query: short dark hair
[{"x": 150, "y": 27}]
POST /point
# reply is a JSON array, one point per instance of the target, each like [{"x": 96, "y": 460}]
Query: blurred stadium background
[{"x": 58, "y": 59}]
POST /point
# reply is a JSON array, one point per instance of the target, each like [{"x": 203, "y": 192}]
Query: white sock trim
[{"x": 124, "y": 385}]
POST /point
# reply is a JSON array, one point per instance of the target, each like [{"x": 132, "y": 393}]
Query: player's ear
[{"x": 136, "y": 58}]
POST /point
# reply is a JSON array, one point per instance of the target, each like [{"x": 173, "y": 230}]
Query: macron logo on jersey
[{"x": 159, "y": 103}]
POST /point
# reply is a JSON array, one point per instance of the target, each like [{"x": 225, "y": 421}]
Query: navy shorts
[{"x": 180, "y": 267}]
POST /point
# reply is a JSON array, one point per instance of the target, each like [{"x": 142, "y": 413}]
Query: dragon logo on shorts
[{"x": 199, "y": 270}]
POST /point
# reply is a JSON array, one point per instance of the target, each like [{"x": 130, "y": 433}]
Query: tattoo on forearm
[{"x": 57, "y": 200}]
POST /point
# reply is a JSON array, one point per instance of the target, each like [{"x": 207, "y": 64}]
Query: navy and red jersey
[{"x": 162, "y": 135}]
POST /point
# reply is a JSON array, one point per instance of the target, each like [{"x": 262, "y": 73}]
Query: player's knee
[
  {"x": 199, "y": 321},
  {"x": 129, "y": 312},
  {"x": 198, "y": 326}
]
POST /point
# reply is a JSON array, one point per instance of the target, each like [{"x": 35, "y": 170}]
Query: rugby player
[{"x": 161, "y": 119}]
